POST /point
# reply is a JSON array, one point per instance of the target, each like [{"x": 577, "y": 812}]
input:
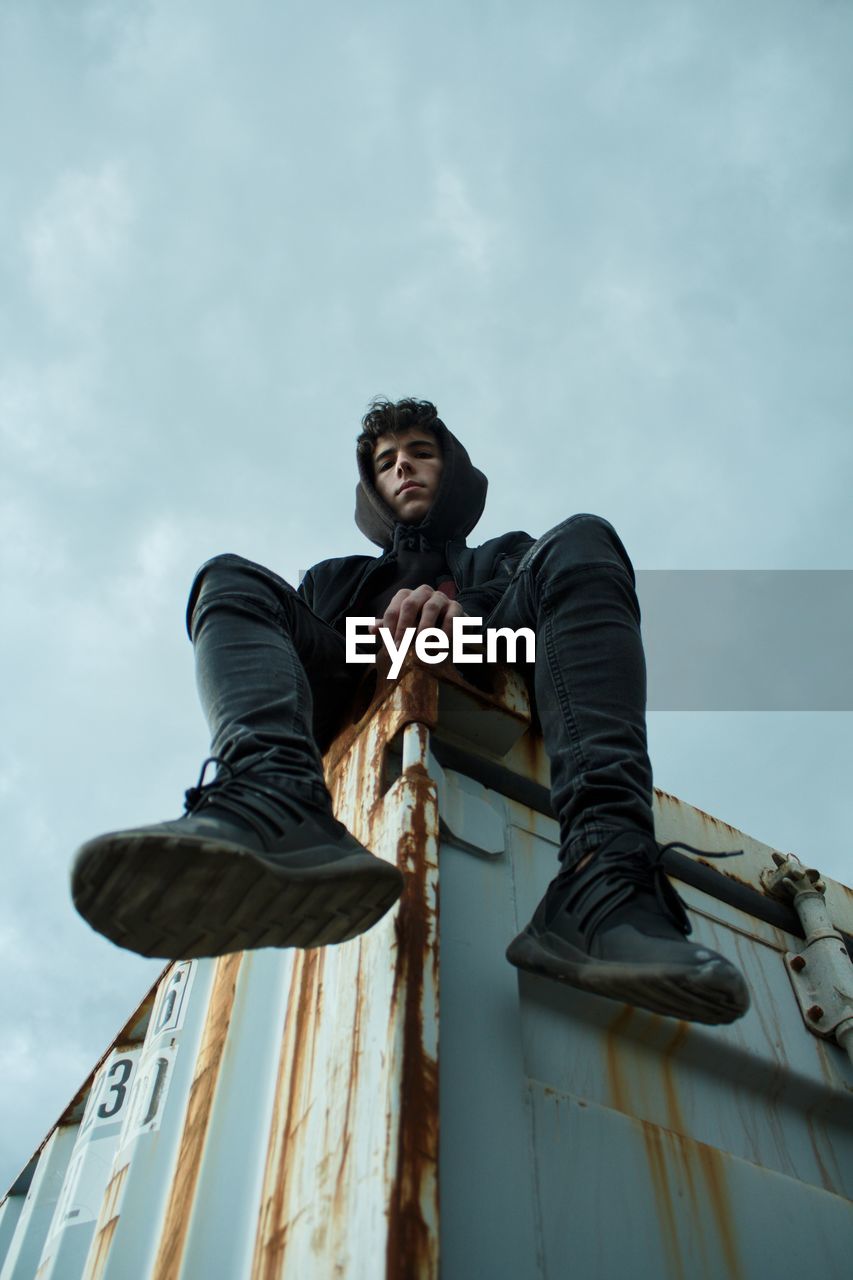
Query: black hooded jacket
[{"x": 334, "y": 588}]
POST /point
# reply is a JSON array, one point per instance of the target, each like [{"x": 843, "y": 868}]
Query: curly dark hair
[{"x": 385, "y": 417}]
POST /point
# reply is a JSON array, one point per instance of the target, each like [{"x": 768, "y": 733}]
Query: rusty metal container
[{"x": 277, "y": 1114}]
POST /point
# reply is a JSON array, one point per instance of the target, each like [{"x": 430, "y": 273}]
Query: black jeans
[
  {"x": 575, "y": 588},
  {"x": 272, "y": 675}
]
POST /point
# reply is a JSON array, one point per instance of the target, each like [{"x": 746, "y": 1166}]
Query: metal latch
[{"x": 821, "y": 974}]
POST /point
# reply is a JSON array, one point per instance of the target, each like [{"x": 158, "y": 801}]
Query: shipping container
[{"x": 408, "y": 1105}]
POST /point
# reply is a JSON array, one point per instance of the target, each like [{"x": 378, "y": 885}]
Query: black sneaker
[
  {"x": 247, "y": 866},
  {"x": 617, "y": 927}
]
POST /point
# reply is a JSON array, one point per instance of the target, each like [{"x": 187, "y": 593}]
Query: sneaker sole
[
  {"x": 714, "y": 993},
  {"x": 185, "y": 897}
]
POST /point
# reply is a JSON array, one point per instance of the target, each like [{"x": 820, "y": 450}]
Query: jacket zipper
[
  {"x": 449, "y": 555},
  {"x": 452, "y": 564}
]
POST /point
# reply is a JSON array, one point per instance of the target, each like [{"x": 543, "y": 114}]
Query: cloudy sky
[{"x": 611, "y": 241}]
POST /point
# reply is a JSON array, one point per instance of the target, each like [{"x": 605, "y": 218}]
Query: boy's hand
[{"x": 420, "y": 608}]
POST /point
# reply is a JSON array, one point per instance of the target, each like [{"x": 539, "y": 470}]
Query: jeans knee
[
  {"x": 581, "y": 541},
  {"x": 227, "y": 562},
  {"x": 232, "y": 579},
  {"x": 222, "y": 572}
]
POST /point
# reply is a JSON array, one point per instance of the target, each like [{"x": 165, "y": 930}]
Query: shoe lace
[
  {"x": 614, "y": 875},
  {"x": 254, "y": 798},
  {"x": 195, "y": 796}
]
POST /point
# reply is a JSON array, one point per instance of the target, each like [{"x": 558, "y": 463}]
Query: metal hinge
[{"x": 821, "y": 974}]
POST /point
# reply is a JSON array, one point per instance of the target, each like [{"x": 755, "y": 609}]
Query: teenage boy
[{"x": 258, "y": 858}]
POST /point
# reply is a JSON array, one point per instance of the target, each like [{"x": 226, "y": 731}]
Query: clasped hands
[{"x": 422, "y": 607}]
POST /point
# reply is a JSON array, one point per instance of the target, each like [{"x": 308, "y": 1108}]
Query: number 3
[{"x": 118, "y": 1087}]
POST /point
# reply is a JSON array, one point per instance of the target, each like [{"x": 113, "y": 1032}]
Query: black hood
[{"x": 457, "y": 507}]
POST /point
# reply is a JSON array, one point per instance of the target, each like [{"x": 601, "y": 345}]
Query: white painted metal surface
[
  {"x": 85, "y": 1180},
  {"x": 36, "y": 1214}
]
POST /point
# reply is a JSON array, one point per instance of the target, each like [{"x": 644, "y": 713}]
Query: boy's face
[{"x": 407, "y": 471}]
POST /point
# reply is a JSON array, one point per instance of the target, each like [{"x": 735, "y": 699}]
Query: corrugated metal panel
[
  {"x": 85, "y": 1181},
  {"x": 36, "y": 1215},
  {"x": 642, "y": 1145},
  {"x": 10, "y": 1213},
  {"x": 280, "y": 1117}
]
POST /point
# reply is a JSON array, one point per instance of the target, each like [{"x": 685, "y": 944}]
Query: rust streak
[
  {"x": 825, "y": 1178},
  {"x": 675, "y": 1118},
  {"x": 655, "y": 1155},
  {"x": 411, "y": 698},
  {"x": 532, "y": 749},
  {"x": 653, "y": 1135},
  {"x": 297, "y": 1043},
  {"x": 615, "y": 1076},
  {"x": 112, "y": 1195},
  {"x": 411, "y": 1245},
  {"x": 359, "y": 753},
  {"x": 713, "y": 1171},
  {"x": 666, "y": 797},
  {"x": 101, "y": 1247},
  {"x": 202, "y": 1091},
  {"x": 109, "y": 1216},
  {"x": 352, "y": 1087}
]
